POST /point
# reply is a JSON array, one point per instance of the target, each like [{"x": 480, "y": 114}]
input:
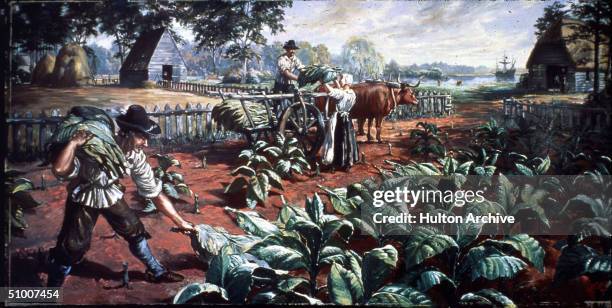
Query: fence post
[
  {"x": 179, "y": 124},
  {"x": 189, "y": 119},
  {"x": 198, "y": 118},
  {"x": 168, "y": 124},
  {"x": 29, "y": 135},
  {"x": 209, "y": 123}
]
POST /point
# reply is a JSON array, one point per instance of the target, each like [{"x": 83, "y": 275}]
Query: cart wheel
[{"x": 305, "y": 123}]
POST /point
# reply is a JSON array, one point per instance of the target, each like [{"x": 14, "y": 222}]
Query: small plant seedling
[
  {"x": 196, "y": 204},
  {"x": 204, "y": 163},
  {"x": 126, "y": 276},
  {"x": 317, "y": 169},
  {"x": 43, "y": 185},
  {"x": 389, "y": 145}
]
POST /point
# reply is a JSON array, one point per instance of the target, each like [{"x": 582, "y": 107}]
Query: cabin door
[
  {"x": 556, "y": 77},
  {"x": 167, "y": 72}
]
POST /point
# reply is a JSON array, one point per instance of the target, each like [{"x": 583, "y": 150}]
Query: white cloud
[{"x": 462, "y": 32}]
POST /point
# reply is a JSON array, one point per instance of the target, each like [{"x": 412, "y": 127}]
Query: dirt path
[
  {"x": 36, "y": 99},
  {"x": 102, "y": 265}
]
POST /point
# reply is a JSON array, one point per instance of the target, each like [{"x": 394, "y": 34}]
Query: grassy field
[
  {"x": 487, "y": 93},
  {"x": 37, "y": 99}
]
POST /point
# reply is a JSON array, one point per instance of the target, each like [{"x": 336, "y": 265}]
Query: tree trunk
[
  {"x": 609, "y": 56},
  {"x": 244, "y": 71},
  {"x": 596, "y": 46},
  {"x": 596, "y": 63}
]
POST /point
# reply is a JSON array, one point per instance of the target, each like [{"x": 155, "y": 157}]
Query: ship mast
[{"x": 505, "y": 62}]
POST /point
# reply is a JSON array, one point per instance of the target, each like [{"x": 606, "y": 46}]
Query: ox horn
[{"x": 416, "y": 85}]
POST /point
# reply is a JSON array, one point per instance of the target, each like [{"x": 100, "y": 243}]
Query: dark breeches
[{"x": 74, "y": 239}]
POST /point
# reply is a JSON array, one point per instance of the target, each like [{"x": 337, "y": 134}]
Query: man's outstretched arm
[{"x": 164, "y": 205}]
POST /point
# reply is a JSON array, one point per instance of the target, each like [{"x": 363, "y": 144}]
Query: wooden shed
[
  {"x": 559, "y": 63},
  {"x": 155, "y": 56}
]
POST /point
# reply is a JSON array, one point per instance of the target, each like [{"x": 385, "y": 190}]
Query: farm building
[
  {"x": 559, "y": 63},
  {"x": 153, "y": 57}
]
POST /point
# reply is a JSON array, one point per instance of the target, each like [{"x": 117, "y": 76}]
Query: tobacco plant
[
  {"x": 427, "y": 140},
  {"x": 287, "y": 157},
  {"x": 309, "y": 240},
  {"x": 173, "y": 183},
  {"x": 18, "y": 191},
  {"x": 256, "y": 175}
]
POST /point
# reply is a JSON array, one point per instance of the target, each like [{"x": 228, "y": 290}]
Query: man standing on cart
[{"x": 285, "y": 80}]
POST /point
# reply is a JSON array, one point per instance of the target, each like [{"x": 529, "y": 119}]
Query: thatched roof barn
[
  {"x": 155, "y": 56},
  {"x": 560, "y": 63}
]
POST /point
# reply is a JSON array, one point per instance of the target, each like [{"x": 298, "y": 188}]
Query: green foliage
[
  {"x": 173, "y": 183},
  {"x": 19, "y": 195},
  {"x": 359, "y": 281},
  {"x": 579, "y": 259},
  {"x": 256, "y": 175},
  {"x": 207, "y": 241},
  {"x": 427, "y": 140},
  {"x": 360, "y": 58},
  {"x": 314, "y": 73},
  {"x": 491, "y": 136},
  {"x": 489, "y": 263},
  {"x": 309, "y": 240},
  {"x": 287, "y": 156},
  {"x": 486, "y": 297},
  {"x": 102, "y": 147}
]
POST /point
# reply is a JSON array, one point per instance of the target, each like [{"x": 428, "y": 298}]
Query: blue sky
[{"x": 466, "y": 32}]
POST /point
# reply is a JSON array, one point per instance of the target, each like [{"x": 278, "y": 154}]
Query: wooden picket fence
[
  {"x": 565, "y": 116},
  {"x": 429, "y": 104},
  {"x": 28, "y": 134},
  {"x": 209, "y": 89},
  {"x": 105, "y": 80}
]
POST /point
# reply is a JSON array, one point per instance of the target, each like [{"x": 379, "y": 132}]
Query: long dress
[{"x": 340, "y": 146}]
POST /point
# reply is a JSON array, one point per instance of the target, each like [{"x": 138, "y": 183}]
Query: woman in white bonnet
[{"x": 340, "y": 146}]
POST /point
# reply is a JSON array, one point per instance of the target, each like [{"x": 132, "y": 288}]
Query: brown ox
[{"x": 375, "y": 101}]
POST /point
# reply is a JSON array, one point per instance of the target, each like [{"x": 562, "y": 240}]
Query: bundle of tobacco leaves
[
  {"x": 102, "y": 147},
  {"x": 313, "y": 73},
  {"x": 233, "y": 117}
]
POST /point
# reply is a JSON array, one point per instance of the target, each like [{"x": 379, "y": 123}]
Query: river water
[{"x": 468, "y": 82}]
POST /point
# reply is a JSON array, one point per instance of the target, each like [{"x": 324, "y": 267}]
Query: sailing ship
[{"x": 505, "y": 72}]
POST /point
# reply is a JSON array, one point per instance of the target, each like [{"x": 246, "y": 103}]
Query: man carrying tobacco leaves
[{"x": 85, "y": 150}]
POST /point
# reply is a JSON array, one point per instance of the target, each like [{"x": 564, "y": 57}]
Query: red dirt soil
[{"x": 103, "y": 263}]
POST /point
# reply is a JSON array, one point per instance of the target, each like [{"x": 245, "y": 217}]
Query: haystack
[
  {"x": 71, "y": 68},
  {"x": 43, "y": 72}
]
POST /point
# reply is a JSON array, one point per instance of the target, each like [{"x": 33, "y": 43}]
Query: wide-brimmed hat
[
  {"x": 291, "y": 45},
  {"x": 136, "y": 118}
]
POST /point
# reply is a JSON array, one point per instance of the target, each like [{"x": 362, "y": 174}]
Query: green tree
[
  {"x": 211, "y": 23},
  {"x": 392, "y": 69},
  {"x": 323, "y": 56},
  {"x": 248, "y": 19},
  {"x": 270, "y": 54},
  {"x": 306, "y": 53},
  {"x": 82, "y": 20},
  {"x": 38, "y": 27},
  {"x": 125, "y": 21},
  {"x": 592, "y": 15},
  {"x": 552, "y": 14},
  {"x": 359, "y": 57}
]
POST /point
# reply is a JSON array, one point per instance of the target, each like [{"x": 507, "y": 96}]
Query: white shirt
[
  {"x": 286, "y": 63},
  {"x": 345, "y": 99},
  {"x": 99, "y": 190}
]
